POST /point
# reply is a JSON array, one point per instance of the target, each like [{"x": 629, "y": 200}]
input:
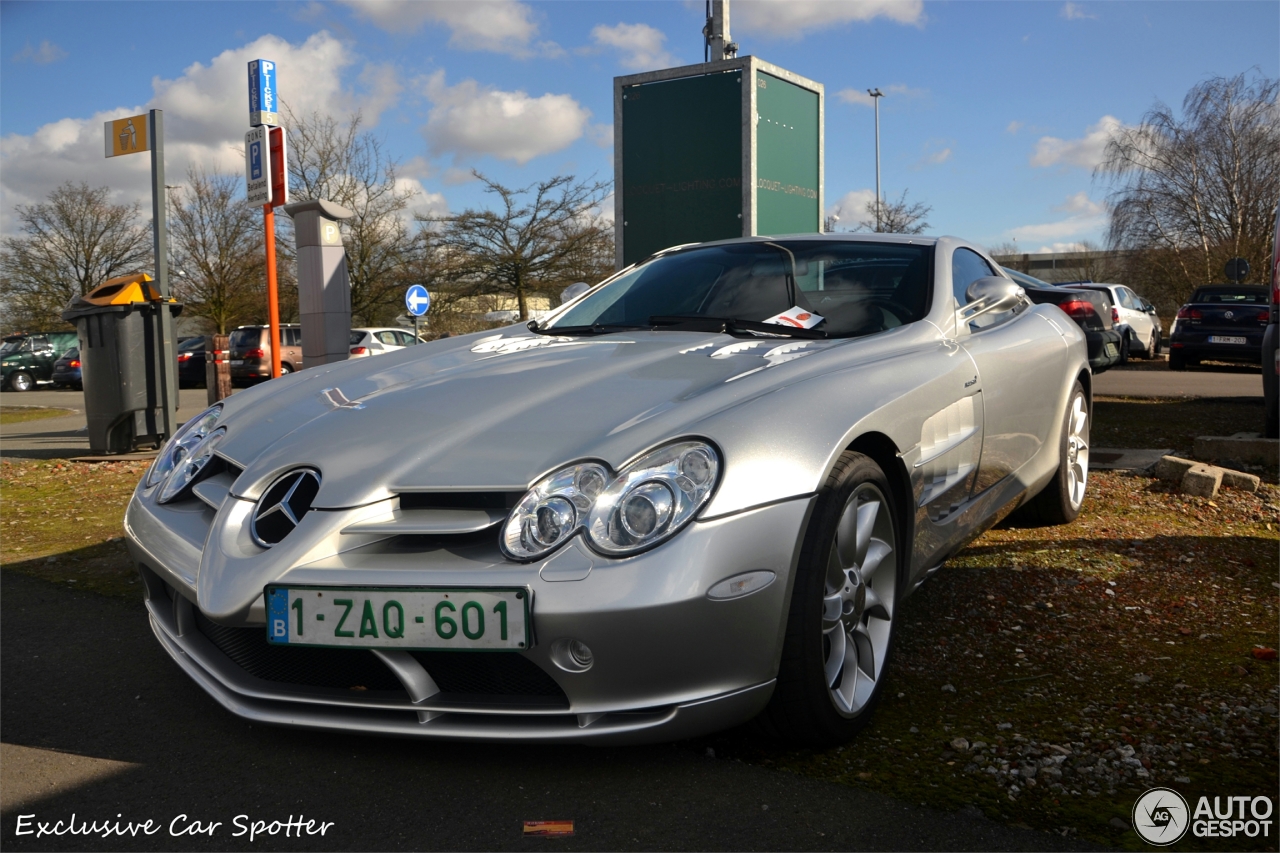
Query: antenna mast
[{"x": 716, "y": 33}]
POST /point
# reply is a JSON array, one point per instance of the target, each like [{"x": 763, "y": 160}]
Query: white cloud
[
  {"x": 1059, "y": 248},
  {"x": 852, "y": 208},
  {"x": 793, "y": 18},
  {"x": 423, "y": 203},
  {"x": 499, "y": 26},
  {"x": 469, "y": 120},
  {"x": 1076, "y": 12},
  {"x": 860, "y": 97},
  {"x": 44, "y": 54},
  {"x": 205, "y": 114},
  {"x": 1013, "y": 127},
  {"x": 1086, "y": 152},
  {"x": 640, "y": 46},
  {"x": 937, "y": 158},
  {"x": 1086, "y": 219},
  {"x": 1081, "y": 204}
]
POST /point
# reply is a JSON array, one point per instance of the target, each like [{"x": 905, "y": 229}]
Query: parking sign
[
  {"x": 257, "y": 167},
  {"x": 264, "y": 97}
]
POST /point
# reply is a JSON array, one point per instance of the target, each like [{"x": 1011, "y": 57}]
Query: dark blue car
[{"x": 66, "y": 370}]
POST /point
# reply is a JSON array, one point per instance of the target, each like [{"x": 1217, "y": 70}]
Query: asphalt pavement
[
  {"x": 100, "y": 723},
  {"x": 1155, "y": 379}
]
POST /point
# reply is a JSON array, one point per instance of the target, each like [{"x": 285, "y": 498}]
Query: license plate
[
  {"x": 398, "y": 618},
  {"x": 1111, "y": 350},
  {"x": 1226, "y": 339},
  {"x": 236, "y": 362}
]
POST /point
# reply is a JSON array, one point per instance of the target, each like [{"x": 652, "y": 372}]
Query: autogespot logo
[{"x": 1160, "y": 816}]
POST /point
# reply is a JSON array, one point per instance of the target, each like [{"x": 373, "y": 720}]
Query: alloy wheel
[
  {"x": 1077, "y": 451},
  {"x": 859, "y": 600}
]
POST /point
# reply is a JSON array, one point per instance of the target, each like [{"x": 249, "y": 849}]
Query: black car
[
  {"x": 1090, "y": 309},
  {"x": 1271, "y": 345},
  {"x": 1221, "y": 322},
  {"x": 191, "y": 363},
  {"x": 66, "y": 371}
]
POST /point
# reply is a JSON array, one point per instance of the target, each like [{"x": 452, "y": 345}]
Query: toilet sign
[{"x": 257, "y": 167}]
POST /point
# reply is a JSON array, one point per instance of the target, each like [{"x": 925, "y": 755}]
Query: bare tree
[
  {"x": 337, "y": 160},
  {"x": 896, "y": 217},
  {"x": 1191, "y": 192},
  {"x": 540, "y": 239},
  {"x": 218, "y": 251},
  {"x": 70, "y": 244}
]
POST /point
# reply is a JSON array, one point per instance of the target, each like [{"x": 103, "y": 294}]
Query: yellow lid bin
[{"x": 124, "y": 290}]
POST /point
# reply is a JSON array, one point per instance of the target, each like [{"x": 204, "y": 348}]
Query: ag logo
[{"x": 1161, "y": 817}]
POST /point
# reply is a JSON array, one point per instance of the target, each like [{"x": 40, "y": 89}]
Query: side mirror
[{"x": 992, "y": 294}]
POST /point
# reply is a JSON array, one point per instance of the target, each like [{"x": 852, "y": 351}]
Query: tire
[
  {"x": 1124, "y": 350},
  {"x": 842, "y": 613},
  {"x": 1271, "y": 424},
  {"x": 1177, "y": 361},
  {"x": 1154, "y": 352},
  {"x": 1060, "y": 500},
  {"x": 285, "y": 369},
  {"x": 20, "y": 380}
]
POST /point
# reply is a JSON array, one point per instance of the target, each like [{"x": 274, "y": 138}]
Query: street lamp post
[{"x": 876, "y": 95}]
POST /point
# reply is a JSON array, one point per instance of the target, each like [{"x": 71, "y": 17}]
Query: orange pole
[{"x": 273, "y": 303}]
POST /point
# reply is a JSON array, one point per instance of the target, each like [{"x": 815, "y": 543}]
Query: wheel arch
[{"x": 885, "y": 453}]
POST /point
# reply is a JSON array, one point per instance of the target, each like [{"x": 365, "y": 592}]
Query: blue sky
[{"x": 995, "y": 112}]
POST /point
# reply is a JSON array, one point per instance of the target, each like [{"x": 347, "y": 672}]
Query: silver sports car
[{"x": 695, "y": 495}]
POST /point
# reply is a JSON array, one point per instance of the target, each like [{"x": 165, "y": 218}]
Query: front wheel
[
  {"x": 20, "y": 380},
  {"x": 1059, "y": 502},
  {"x": 843, "y": 605},
  {"x": 285, "y": 369}
]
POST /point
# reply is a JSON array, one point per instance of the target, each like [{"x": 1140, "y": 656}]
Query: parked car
[
  {"x": 1271, "y": 345},
  {"x": 27, "y": 360},
  {"x": 191, "y": 359},
  {"x": 1221, "y": 322},
  {"x": 66, "y": 371},
  {"x": 1134, "y": 316},
  {"x": 249, "y": 350},
  {"x": 697, "y": 494},
  {"x": 367, "y": 342},
  {"x": 1091, "y": 310}
]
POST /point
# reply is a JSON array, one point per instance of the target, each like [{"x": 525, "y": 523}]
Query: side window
[
  {"x": 388, "y": 338},
  {"x": 293, "y": 337},
  {"x": 406, "y": 339},
  {"x": 39, "y": 343},
  {"x": 1129, "y": 299},
  {"x": 967, "y": 267}
]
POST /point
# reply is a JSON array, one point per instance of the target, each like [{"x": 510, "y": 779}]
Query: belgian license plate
[
  {"x": 398, "y": 617},
  {"x": 1111, "y": 350},
  {"x": 1226, "y": 339},
  {"x": 236, "y": 362}
]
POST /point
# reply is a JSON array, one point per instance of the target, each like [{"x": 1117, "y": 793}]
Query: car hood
[{"x": 497, "y": 412}]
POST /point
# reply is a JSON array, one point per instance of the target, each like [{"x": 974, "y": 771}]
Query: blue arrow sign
[{"x": 417, "y": 299}]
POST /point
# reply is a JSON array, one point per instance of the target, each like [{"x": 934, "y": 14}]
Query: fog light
[{"x": 571, "y": 655}]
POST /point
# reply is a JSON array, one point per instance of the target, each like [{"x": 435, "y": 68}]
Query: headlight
[
  {"x": 183, "y": 442},
  {"x": 649, "y": 501},
  {"x": 190, "y": 466}
]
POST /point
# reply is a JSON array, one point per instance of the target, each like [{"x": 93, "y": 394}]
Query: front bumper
[{"x": 668, "y": 662}]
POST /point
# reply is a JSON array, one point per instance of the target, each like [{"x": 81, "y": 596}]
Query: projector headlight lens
[{"x": 183, "y": 442}]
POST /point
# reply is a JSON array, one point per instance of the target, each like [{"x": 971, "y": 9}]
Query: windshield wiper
[
  {"x": 585, "y": 331},
  {"x": 731, "y": 326}
]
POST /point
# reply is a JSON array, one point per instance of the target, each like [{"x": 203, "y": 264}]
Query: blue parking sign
[{"x": 264, "y": 96}]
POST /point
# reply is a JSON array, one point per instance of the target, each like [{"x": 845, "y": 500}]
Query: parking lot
[{"x": 1022, "y": 626}]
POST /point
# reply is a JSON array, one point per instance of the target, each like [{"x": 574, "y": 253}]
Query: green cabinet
[{"x": 714, "y": 151}]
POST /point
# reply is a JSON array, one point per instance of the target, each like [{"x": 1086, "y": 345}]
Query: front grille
[
  {"x": 506, "y": 678},
  {"x": 340, "y": 669}
]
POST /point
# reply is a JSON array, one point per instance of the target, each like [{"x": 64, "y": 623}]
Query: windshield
[
  {"x": 838, "y": 288},
  {"x": 1241, "y": 296},
  {"x": 242, "y": 338},
  {"x": 11, "y": 346}
]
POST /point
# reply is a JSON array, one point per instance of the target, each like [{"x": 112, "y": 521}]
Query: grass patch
[
  {"x": 1170, "y": 422},
  {"x": 62, "y": 521},
  {"x": 22, "y": 414}
]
